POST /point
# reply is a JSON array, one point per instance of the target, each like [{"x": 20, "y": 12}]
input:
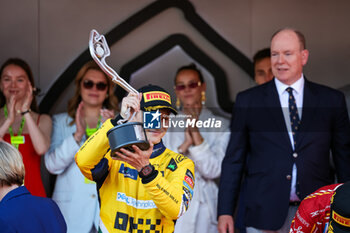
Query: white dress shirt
[{"x": 298, "y": 93}]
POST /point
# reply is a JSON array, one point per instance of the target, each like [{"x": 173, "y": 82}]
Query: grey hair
[{"x": 11, "y": 165}]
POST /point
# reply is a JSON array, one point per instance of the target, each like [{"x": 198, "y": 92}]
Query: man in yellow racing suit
[{"x": 139, "y": 191}]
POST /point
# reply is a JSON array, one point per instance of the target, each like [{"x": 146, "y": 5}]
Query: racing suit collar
[{"x": 158, "y": 149}]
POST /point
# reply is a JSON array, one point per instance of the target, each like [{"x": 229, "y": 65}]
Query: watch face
[{"x": 146, "y": 170}]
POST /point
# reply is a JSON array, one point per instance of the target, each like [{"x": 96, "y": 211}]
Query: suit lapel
[
  {"x": 310, "y": 102},
  {"x": 272, "y": 102}
]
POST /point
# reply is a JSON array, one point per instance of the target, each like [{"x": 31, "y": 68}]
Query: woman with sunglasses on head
[
  {"x": 20, "y": 123},
  {"x": 92, "y": 104},
  {"x": 205, "y": 146}
]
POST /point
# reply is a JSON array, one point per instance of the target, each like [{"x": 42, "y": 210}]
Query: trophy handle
[{"x": 99, "y": 50}]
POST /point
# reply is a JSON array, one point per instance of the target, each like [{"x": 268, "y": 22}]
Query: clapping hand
[
  {"x": 11, "y": 109},
  {"x": 28, "y": 99},
  {"x": 106, "y": 114},
  {"x": 80, "y": 123}
]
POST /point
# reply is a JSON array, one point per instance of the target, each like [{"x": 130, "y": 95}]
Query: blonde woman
[{"x": 92, "y": 103}]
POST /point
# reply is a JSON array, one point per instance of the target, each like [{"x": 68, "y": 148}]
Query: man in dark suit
[
  {"x": 21, "y": 212},
  {"x": 282, "y": 134}
]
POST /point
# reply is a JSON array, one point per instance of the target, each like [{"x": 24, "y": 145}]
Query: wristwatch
[
  {"x": 146, "y": 170},
  {"x": 28, "y": 111}
]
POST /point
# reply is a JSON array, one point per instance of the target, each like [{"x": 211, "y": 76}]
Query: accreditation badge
[
  {"x": 90, "y": 132},
  {"x": 87, "y": 181},
  {"x": 17, "y": 140}
]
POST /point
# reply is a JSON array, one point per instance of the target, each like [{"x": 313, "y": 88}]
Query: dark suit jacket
[
  {"x": 260, "y": 143},
  {"x": 22, "y": 212}
]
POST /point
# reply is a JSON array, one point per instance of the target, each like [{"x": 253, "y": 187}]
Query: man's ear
[{"x": 304, "y": 56}]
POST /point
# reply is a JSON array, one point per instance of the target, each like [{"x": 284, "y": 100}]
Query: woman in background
[
  {"x": 205, "y": 146},
  {"x": 20, "y": 123},
  {"x": 92, "y": 103}
]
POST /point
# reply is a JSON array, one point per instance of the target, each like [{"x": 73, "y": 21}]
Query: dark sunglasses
[
  {"x": 180, "y": 87},
  {"x": 88, "y": 84}
]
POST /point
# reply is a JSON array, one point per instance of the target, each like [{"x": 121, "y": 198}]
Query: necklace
[
  {"x": 91, "y": 131},
  {"x": 19, "y": 139}
]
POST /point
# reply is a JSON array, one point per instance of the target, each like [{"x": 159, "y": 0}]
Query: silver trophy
[{"x": 124, "y": 135}]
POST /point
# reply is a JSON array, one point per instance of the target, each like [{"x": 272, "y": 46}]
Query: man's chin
[
  {"x": 154, "y": 137},
  {"x": 154, "y": 141}
]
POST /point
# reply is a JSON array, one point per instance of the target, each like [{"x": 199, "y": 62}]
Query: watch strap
[{"x": 28, "y": 111}]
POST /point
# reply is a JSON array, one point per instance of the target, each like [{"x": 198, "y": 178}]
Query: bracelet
[{"x": 28, "y": 111}]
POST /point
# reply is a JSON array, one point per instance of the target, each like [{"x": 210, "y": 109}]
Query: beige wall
[{"x": 51, "y": 34}]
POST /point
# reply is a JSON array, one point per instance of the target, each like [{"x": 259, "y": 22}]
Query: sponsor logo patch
[
  {"x": 172, "y": 165},
  {"x": 189, "y": 181},
  {"x": 156, "y": 95},
  {"x": 126, "y": 223},
  {"x": 340, "y": 219},
  {"x": 189, "y": 174},
  {"x": 138, "y": 204},
  {"x": 187, "y": 193},
  {"x": 179, "y": 158},
  {"x": 188, "y": 187},
  {"x": 128, "y": 172}
]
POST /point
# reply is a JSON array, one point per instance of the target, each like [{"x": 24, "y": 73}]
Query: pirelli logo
[
  {"x": 340, "y": 219},
  {"x": 156, "y": 95}
]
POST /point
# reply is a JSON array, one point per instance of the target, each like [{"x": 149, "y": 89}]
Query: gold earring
[
  {"x": 178, "y": 103},
  {"x": 203, "y": 98}
]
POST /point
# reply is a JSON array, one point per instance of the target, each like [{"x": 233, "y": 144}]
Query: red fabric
[
  {"x": 31, "y": 160},
  {"x": 313, "y": 212}
]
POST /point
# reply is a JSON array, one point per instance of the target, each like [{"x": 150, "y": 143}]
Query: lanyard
[
  {"x": 91, "y": 131},
  {"x": 11, "y": 130}
]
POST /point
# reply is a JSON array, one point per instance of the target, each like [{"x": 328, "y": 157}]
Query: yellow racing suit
[{"x": 129, "y": 203}]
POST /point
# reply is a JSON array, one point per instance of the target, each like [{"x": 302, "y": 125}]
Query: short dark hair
[
  {"x": 300, "y": 36},
  {"x": 193, "y": 67},
  {"x": 261, "y": 54}
]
